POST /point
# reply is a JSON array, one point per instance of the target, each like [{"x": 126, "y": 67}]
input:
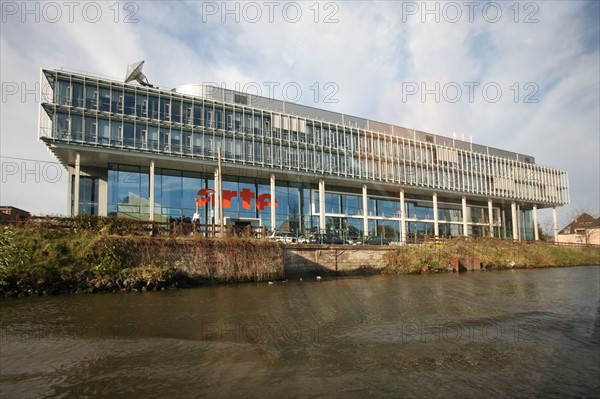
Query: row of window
[
  {"x": 201, "y": 114},
  {"x": 347, "y": 151},
  {"x": 348, "y": 204},
  {"x": 352, "y": 229},
  {"x": 205, "y": 114},
  {"x": 297, "y": 205},
  {"x": 276, "y": 153},
  {"x": 175, "y": 193}
]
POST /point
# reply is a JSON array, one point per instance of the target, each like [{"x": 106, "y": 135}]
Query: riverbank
[
  {"x": 485, "y": 254},
  {"x": 95, "y": 257},
  {"x": 37, "y": 261}
]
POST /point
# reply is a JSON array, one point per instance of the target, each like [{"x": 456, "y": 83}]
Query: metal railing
[
  {"x": 125, "y": 226},
  {"x": 128, "y": 227}
]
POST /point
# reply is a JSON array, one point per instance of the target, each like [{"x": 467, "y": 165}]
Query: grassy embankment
[
  {"x": 98, "y": 255},
  {"x": 105, "y": 254},
  {"x": 492, "y": 255}
]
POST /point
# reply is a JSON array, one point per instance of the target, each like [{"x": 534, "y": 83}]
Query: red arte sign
[{"x": 208, "y": 194}]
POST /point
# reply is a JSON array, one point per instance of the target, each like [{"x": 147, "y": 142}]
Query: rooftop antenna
[{"x": 134, "y": 72}]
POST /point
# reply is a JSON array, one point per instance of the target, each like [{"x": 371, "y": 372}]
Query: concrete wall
[
  {"x": 320, "y": 260},
  {"x": 323, "y": 260}
]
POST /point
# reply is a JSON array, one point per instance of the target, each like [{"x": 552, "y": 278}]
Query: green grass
[{"x": 492, "y": 254}]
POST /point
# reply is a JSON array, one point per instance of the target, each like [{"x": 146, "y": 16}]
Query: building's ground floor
[{"x": 290, "y": 202}]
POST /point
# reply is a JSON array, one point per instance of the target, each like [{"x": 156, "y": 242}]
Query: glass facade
[
  {"x": 297, "y": 205},
  {"x": 176, "y": 193},
  {"x": 86, "y": 112},
  {"x": 88, "y": 195},
  {"x": 128, "y": 191},
  {"x": 141, "y": 118}
]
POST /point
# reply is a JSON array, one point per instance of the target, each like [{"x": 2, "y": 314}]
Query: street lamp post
[{"x": 210, "y": 210}]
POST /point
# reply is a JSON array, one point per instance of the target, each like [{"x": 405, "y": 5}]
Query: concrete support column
[
  {"x": 555, "y": 223},
  {"x": 515, "y": 228},
  {"x": 69, "y": 191},
  {"x": 519, "y": 222},
  {"x": 322, "y": 221},
  {"x": 103, "y": 192},
  {"x": 273, "y": 207},
  {"x": 491, "y": 216},
  {"x": 217, "y": 198},
  {"x": 402, "y": 218},
  {"x": 536, "y": 231},
  {"x": 365, "y": 200},
  {"x": 464, "y": 215},
  {"x": 76, "y": 185},
  {"x": 436, "y": 226},
  {"x": 151, "y": 193}
]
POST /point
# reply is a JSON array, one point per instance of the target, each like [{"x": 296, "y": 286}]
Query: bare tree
[
  {"x": 546, "y": 228},
  {"x": 574, "y": 213}
]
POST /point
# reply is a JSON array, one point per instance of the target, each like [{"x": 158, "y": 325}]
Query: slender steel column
[
  {"x": 365, "y": 200},
  {"x": 436, "y": 226},
  {"x": 491, "y": 216},
  {"x": 464, "y": 215},
  {"x": 536, "y": 230},
  {"x": 515, "y": 227},
  {"x": 217, "y": 198},
  {"x": 519, "y": 221},
  {"x": 151, "y": 194},
  {"x": 322, "y": 221},
  {"x": 76, "y": 184},
  {"x": 402, "y": 219},
  {"x": 273, "y": 207}
]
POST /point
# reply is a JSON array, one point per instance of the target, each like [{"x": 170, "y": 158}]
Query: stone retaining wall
[{"x": 319, "y": 260}]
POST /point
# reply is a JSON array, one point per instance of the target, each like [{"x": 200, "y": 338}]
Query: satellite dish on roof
[{"x": 134, "y": 72}]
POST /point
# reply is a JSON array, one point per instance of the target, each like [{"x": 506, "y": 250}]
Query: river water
[{"x": 522, "y": 333}]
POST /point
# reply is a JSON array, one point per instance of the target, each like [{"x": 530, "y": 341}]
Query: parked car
[
  {"x": 326, "y": 239},
  {"x": 373, "y": 240},
  {"x": 283, "y": 236}
]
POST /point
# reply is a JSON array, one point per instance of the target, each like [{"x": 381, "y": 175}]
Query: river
[{"x": 521, "y": 333}]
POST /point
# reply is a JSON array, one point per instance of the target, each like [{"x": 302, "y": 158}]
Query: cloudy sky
[{"x": 521, "y": 76}]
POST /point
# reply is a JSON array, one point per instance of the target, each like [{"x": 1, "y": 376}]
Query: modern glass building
[{"x": 151, "y": 154}]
